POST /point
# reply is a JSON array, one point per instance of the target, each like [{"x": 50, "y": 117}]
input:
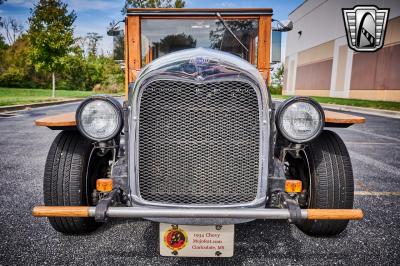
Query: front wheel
[
  {"x": 69, "y": 178},
  {"x": 330, "y": 183}
]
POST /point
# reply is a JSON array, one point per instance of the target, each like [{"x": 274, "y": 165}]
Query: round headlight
[
  {"x": 300, "y": 119},
  {"x": 99, "y": 118}
]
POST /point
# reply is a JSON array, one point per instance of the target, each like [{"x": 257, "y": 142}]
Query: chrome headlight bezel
[
  {"x": 109, "y": 100},
  {"x": 287, "y": 103}
]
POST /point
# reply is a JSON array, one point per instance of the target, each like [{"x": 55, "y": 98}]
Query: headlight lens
[
  {"x": 300, "y": 119},
  {"x": 99, "y": 118}
]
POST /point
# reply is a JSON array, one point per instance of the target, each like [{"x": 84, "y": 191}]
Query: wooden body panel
[
  {"x": 133, "y": 61},
  {"x": 264, "y": 44},
  {"x": 68, "y": 120}
]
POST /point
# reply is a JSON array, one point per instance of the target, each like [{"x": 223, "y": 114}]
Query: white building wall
[{"x": 320, "y": 22}]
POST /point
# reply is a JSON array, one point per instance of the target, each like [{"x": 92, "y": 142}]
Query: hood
[{"x": 200, "y": 65}]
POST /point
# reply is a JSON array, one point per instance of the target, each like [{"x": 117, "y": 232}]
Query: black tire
[
  {"x": 332, "y": 184},
  {"x": 64, "y": 180}
]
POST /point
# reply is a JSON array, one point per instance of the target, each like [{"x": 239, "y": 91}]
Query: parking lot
[{"x": 375, "y": 153}]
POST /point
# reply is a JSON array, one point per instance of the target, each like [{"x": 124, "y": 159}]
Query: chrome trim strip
[{"x": 249, "y": 213}]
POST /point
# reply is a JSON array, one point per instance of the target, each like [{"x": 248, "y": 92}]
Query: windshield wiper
[{"x": 230, "y": 31}]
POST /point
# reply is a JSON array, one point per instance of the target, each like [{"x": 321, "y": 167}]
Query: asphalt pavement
[{"x": 375, "y": 152}]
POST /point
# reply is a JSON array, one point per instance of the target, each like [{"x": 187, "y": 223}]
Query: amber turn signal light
[
  {"x": 104, "y": 184},
  {"x": 293, "y": 186}
]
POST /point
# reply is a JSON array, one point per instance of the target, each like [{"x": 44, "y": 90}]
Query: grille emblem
[{"x": 199, "y": 61}]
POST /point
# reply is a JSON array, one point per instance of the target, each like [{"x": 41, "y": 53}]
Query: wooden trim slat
[
  {"x": 264, "y": 42},
  {"x": 168, "y": 12},
  {"x": 198, "y": 17},
  {"x": 126, "y": 58},
  {"x": 182, "y": 10},
  {"x": 134, "y": 50},
  {"x": 60, "y": 211},
  {"x": 334, "y": 214}
]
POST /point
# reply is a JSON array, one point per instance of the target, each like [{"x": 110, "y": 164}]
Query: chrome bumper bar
[{"x": 143, "y": 212}]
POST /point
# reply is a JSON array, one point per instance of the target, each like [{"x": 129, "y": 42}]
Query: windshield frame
[
  {"x": 252, "y": 56},
  {"x": 133, "y": 33}
]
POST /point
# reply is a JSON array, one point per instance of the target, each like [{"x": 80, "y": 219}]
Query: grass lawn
[
  {"x": 13, "y": 96},
  {"x": 394, "y": 106}
]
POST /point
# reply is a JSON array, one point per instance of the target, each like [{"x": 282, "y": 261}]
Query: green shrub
[
  {"x": 78, "y": 72},
  {"x": 276, "y": 89}
]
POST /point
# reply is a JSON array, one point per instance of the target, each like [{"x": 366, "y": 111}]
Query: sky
[{"x": 95, "y": 15}]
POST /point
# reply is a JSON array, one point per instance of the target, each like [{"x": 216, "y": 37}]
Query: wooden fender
[{"x": 63, "y": 120}]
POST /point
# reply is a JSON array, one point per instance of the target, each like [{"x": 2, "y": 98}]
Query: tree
[
  {"x": 13, "y": 29},
  {"x": 93, "y": 39},
  {"x": 16, "y": 70},
  {"x": 119, "y": 46},
  {"x": 173, "y": 43},
  {"x": 3, "y": 50},
  {"x": 221, "y": 39},
  {"x": 51, "y": 35},
  {"x": 3, "y": 44},
  {"x": 278, "y": 73},
  {"x": 118, "y": 40},
  {"x": 1, "y": 21},
  {"x": 152, "y": 4}
]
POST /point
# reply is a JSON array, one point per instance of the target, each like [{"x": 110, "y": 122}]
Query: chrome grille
[{"x": 198, "y": 143}]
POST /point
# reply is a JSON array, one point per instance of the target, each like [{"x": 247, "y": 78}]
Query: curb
[
  {"x": 11, "y": 108},
  {"x": 361, "y": 110}
]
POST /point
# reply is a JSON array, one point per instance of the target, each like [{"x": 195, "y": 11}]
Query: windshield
[{"x": 163, "y": 36}]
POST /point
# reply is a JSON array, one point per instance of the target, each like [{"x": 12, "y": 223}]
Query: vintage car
[{"x": 198, "y": 145}]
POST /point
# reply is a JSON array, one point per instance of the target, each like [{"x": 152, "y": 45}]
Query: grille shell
[{"x": 199, "y": 143}]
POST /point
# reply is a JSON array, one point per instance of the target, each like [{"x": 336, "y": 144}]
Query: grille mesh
[{"x": 198, "y": 144}]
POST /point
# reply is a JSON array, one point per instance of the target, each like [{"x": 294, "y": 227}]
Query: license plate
[{"x": 196, "y": 240}]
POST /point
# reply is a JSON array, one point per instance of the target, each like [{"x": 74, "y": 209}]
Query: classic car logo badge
[
  {"x": 175, "y": 238},
  {"x": 199, "y": 61},
  {"x": 365, "y": 27}
]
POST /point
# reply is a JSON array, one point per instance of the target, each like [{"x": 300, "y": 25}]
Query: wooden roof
[{"x": 199, "y": 11}]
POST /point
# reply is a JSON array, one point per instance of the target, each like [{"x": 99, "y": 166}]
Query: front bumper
[{"x": 145, "y": 212}]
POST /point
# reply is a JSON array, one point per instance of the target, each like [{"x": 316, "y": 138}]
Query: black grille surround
[{"x": 199, "y": 143}]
